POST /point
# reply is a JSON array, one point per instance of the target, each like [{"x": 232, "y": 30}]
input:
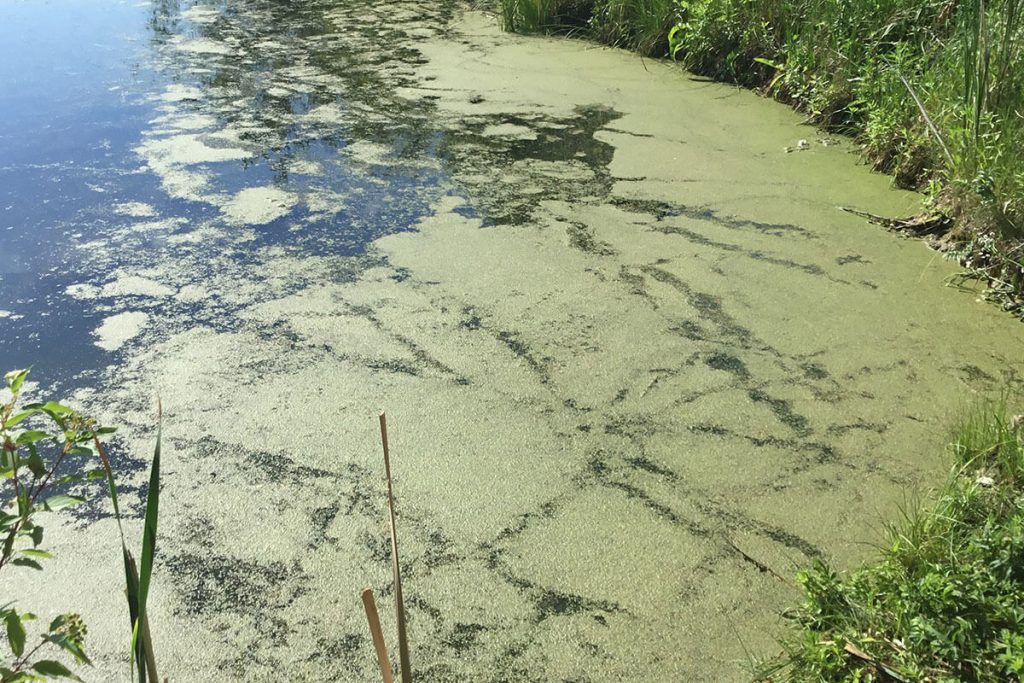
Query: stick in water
[
  {"x": 370, "y": 605},
  {"x": 403, "y": 644}
]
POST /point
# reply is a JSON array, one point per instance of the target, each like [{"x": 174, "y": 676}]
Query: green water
[{"x": 638, "y": 366}]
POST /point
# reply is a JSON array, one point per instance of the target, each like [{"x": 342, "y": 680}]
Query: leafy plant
[
  {"x": 945, "y": 601},
  {"x": 45, "y": 453},
  {"x": 34, "y": 463}
]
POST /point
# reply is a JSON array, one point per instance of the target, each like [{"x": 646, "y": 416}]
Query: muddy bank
[{"x": 636, "y": 363}]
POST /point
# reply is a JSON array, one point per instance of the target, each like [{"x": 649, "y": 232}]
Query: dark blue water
[{"x": 66, "y": 129}]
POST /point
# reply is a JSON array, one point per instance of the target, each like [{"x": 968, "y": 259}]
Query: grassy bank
[
  {"x": 933, "y": 90},
  {"x": 945, "y": 601}
]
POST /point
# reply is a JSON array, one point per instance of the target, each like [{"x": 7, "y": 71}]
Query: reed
[
  {"x": 529, "y": 16},
  {"x": 137, "y": 580},
  {"x": 639, "y": 25},
  {"x": 404, "y": 664},
  {"x": 377, "y": 633}
]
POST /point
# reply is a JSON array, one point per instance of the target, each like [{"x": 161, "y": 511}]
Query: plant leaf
[
  {"x": 30, "y": 436},
  {"x": 62, "y": 641},
  {"x": 36, "y": 465},
  {"x": 52, "y": 407},
  {"x": 19, "y": 417},
  {"x": 61, "y": 501},
  {"x": 36, "y": 553},
  {"x": 27, "y": 562},
  {"x": 768, "y": 62},
  {"x": 131, "y": 575},
  {"x": 149, "y": 539},
  {"x": 7, "y": 521},
  {"x": 9, "y": 676},
  {"x": 15, "y": 378},
  {"x": 52, "y": 669},
  {"x": 15, "y": 633}
]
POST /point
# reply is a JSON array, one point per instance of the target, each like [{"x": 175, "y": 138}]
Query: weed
[
  {"x": 46, "y": 448},
  {"x": 945, "y": 601}
]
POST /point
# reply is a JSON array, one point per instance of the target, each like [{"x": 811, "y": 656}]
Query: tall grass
[
  {"x": 987, "y": 159},
  {"x": 640, "y": 25},
  {"x": 528, "y": 16}
]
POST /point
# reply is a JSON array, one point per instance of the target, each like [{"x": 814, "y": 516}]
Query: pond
[{"x": 639, "y": 367}]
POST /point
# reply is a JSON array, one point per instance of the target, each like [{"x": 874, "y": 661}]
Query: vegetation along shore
[
  {"x": 944, "y": 601},
  {"x": 932, "y": 90}
]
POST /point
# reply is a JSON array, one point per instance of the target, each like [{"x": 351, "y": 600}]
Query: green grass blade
[
  {"x": 131, "y": 577},
  {"x": 111, "y": 485},
  {"x": 133, "y": 585},
  {"x": 148, "y": 555}
]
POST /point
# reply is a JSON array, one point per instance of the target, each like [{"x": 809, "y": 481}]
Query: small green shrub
[
  {"x": 34, "y": 465},
  {"x": 45, "y": 454},
  {"x": 945, "y": 602}
]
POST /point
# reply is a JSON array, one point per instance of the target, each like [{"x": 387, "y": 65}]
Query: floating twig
[
  {"x": 761, "y": 566},
  {"x": 924, "y": 224}
]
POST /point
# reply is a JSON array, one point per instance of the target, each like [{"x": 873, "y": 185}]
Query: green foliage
[
  {"x": 946, "y": 599},
  {"x": 640, "y": 25},
  {"x": 727, "y": 40},
  {"x": 529, "y": 16},
  {"x": 33, "y": 463},
  {"x": 45, "y": 447}
]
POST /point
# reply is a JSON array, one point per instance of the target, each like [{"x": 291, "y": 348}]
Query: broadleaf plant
[{"x": 44, "y": 447}]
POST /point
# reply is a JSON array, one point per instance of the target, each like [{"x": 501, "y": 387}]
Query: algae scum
[{"x": 638, "y": 366}]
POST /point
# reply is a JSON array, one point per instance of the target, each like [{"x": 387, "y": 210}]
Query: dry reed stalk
[
  {"x": 403, "y": 643},
  {"x": 378, "y": 636}
]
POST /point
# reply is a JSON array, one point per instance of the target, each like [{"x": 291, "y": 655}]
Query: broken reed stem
[
  {"x": 370, "y": 605},
  {"x": 403, "y": 643}
]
